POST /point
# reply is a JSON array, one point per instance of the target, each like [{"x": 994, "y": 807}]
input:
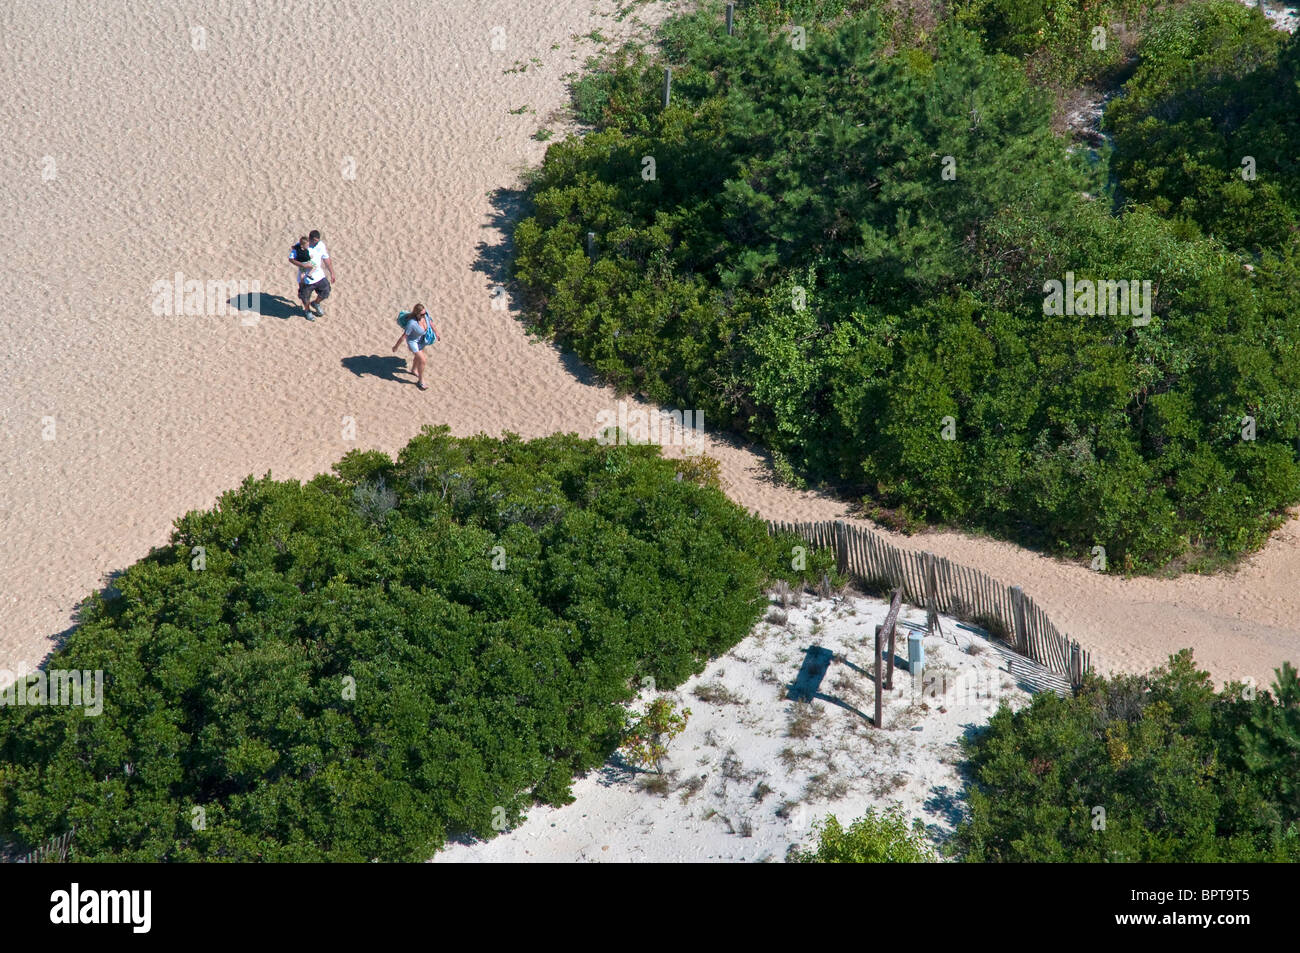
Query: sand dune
[{"x": 202, "y": 138}]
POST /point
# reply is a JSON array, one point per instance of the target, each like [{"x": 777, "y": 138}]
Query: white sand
[
  {"x": 1283, "y": 16},
  {"x": 734, "y": 795},
  {"x": 163, "y": 157}
]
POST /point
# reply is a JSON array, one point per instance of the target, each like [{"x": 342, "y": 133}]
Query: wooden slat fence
[
  {"x": 55, "y": 850},
  {"x": 959, "y": 591}
]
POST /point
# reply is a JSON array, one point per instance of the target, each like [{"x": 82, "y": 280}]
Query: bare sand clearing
[
  {"x": 753, "y": 769},
  {"x": 138, "y": 140}
]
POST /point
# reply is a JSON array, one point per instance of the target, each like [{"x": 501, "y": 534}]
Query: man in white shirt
[{"x": 317, "y": 274}]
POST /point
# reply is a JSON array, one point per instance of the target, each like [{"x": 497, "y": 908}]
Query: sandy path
[{"x": 164, "y": 157}]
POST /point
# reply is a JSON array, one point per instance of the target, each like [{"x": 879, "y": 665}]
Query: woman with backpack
[{"x": 417, "y": 336}]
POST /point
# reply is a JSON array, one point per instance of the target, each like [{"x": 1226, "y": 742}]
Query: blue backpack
[{"x": 404, "y": 317}]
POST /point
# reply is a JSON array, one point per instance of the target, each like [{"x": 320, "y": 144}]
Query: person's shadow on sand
[
  {"x": 268, "y": 306},
  {"x": 385, "y": 368}
]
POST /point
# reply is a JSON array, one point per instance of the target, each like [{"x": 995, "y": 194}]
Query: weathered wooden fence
[
  {"x": 942, "y": 586},
  {"x": 55, "y": 850}
]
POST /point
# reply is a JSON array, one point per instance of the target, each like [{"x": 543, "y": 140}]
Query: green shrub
[
  {"x": 872, "y": 839},
  {"x": 379, "y": 659},
  {"x": 1139, "y": 768},
  {"x": 1057, "y": 35},
  {"x": 802, "y": 271},
  {"x": 646, "y": 742},
  {"x": 1215, "y": 86}
]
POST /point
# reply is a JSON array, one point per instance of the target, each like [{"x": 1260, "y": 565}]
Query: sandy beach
[{"x": 142, "y": 140}]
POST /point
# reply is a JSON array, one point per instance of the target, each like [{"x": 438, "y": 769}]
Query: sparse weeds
[
  {"x": 803, "y": 718},
  {"x": 846, "y": 686},
  {"x": 731, "y": 767},
  {"x": 825, "y": 786},
  {"x": 661, "y": 784},
  {"x": 792, "y": 758},
  {"x": 907, "y": 717},
  {"x": 715, "y": 693},
  {"x": 691, "y": 786},
  {"x": 519, "y": 66},
  {"x": 883, "y": 785}
]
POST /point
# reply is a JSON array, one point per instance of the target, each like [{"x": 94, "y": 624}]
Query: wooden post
[
  {"x": 731, "y": 19},
  {"x": 668, "y": 85},
  {"x": 591, "y": 246},
  {"x": 891, "y": 627},
  {"x": 1018, "y": 610},
  {"x": 841, "y": 547},
  {"x": 889, "y": 665},
  {"x": 878, "y": 679},
  {"x": 931, "y": 596}
]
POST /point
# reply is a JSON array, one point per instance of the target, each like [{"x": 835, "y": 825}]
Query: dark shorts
[{"x": 321, "y": 287}]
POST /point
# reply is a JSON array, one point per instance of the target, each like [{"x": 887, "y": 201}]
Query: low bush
[
  {"x": 1205, "y": 129},
  {"x": 883, "y": 838},
  {"x": 363, "y": 665},
  {"x": 843, "y": 251},
  {"x": 1157, "y": 767}
]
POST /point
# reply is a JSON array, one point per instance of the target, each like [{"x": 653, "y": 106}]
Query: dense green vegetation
[
  {"x": 841, "y": 252},
  {"x": 883, "y": 838},
  {"x": 1140, "y": 768},
  {"x": 1214, "y": 85},
  {"x": 807, "y": 267},
  {"x": 364, "y": 665},
  {"x": 1051, "y": 36}
]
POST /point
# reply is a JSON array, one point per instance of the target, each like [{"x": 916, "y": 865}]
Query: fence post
[
  {"x": 731, "y": 19},
  {"x": 889, "y": 652},
  {"x": 891, "y": 627},
  {"x": 668, "y": 85},
  {"x": 1018, "y": 610},
  {"x": 878, "y": 678},
  {"x": 841, "y": 547},
  {"x": 931, "y": 596},
  {"x": 591, "y": 246}
]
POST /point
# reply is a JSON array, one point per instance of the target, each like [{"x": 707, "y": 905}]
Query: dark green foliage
[
  {"x": 1270, "y": 741},
  {"x": 1182, "y": 774},
  {"x": 800, "y": 269},
  {"x": 476, "y": 689},
  {"x": 1214, "y": 84},
  {"x": 1056, "y": 36}
]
